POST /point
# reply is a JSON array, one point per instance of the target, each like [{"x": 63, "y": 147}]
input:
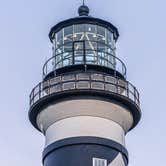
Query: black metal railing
[
  {"x": 87, "y": 81},
  {"x": 69, "y": 56}
]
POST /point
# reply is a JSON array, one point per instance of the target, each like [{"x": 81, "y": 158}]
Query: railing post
[
  {"x": 39, "y": 90},
  {"x": 30, "y": 100},
  {"x": 33, "y": 95},
  {"x": 54, "y": 67},
  {"x": 75, "y": 84},
  {"x": 115, "y": 67},
  {"x": 127, "y": 89},
  {"x": 73, "y": 50},
  {"x": 90, "y": 80},
  {"x": 104, "y": 83},
  {"x": 49, "y": 87},
  {"x": 135, "y": 98},
  {"x": 46, "y": 69},
  {"x": 138, "y": 98},
  {"x": 116, "y": 85},
  {"x": 61, "y": 84}
]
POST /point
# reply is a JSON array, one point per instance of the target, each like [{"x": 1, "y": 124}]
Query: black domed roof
[
  {"x": 83, "y": 10},
  {"x": 83, "y": 18}
]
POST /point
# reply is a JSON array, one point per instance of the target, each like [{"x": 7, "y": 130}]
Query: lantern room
[{"x": 84, "y": 43}]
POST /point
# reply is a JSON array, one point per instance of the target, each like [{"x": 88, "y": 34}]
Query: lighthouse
[{"x": 84, "y": 105}]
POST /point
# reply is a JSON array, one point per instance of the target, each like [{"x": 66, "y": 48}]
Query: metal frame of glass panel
[{"x": 98, "y": 42}]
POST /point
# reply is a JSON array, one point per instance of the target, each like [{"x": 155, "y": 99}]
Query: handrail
[
  {"x": 98, "y": 42},
  {"x": 91, "y": 80},
  {"x": 117, "y": 65}
]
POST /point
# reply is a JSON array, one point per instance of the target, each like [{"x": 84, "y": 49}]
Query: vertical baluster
[
  {"x": 75, "y": 81},
  {"x": 104, "y": 82},
  {"x": 127, "y": 89},
  {"x": 135, "y": 98},
  {"x": 39, "y": 93},
  {"x": 138, "y": 98},
  {"x": 116, "y": 85},
  {"x": 33, "y": 95},
  {"x": 61, "y": 84},
  {"x": 49, "y": 91},
  {"x": 30, "y": 99},
  {"x": 90, "y": 80},
  {"x": 46, "y": 68},
  {"x": 115, "y": 68}
]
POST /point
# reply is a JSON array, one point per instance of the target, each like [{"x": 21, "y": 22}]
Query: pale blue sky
[{"x": 24, "y": 46}]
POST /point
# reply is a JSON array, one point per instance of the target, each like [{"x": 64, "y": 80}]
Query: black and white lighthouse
[{"x": 84, "y": 106}]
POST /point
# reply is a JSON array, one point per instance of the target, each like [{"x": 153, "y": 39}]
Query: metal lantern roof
[{"x": 84, "y": 18}]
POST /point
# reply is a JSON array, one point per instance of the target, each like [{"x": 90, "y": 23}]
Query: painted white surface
[
  {"x": 99, "y": 162},
  {"x": 85, "y": 107},
  {"x": 85, "y": 126},
  {"x": 118, "y": 161}
]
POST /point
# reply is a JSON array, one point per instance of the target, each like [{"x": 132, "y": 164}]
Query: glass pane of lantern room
[
  {"x": 59, "y": 50},
  {"x": 79, "y": 52},
  {"x": 90, "y": 32},
  {"x": 101, "y": 34},
  {"x": 79, "y": 32},
  {"x": 67, "y": 52},
  {"x": 68, "y": 34}
]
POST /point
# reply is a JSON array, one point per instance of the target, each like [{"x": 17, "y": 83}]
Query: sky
[{"x": 24, "y": 46}]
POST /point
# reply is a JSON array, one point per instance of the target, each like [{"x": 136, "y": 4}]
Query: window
[
  {"x": 68, "y": 31},
  {"x": 79, "y": 32},
  {"x": 101, "y": 34},
  {"x": 68, "y": 34},
  {"x": 99, "y": 162},
  {"x": 109, "y": 37},
  {"x": 79, "y": 57},
  {"x": 59, "y": 38}
]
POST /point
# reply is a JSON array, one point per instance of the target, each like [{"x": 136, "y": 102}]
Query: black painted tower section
[{"x": 80, "y": 151}]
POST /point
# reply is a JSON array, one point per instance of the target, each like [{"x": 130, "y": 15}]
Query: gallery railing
[
  {"x": 69, "y": 56},
  {"x": 84, "y": 81}
]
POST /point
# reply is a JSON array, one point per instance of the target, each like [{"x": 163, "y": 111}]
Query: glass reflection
[{"x": 97, "y": 46}]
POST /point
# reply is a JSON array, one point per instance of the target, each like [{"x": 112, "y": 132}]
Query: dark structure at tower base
[{"x": 81, "y": 150}]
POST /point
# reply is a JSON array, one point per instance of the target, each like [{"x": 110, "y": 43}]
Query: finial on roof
[{"x": 83, "y": 10}]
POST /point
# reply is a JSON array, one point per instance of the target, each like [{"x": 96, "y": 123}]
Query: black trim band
[
  {"x": 85, "y": 140},
  {"x": 84, "y": 20},
  {"x": 84, "y": 94},
  {"x": 81, "y": 68}
]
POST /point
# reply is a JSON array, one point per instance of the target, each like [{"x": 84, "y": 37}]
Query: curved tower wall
[{"x": 74, "y": 122}]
